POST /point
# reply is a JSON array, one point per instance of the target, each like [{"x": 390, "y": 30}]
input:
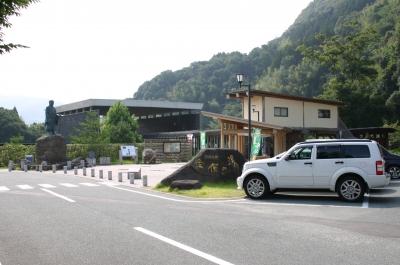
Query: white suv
[{"x": 348, "y": 167}]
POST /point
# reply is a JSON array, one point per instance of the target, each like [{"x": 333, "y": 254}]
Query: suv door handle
[
  {"x": 308, "y": 163},
  {"x": 339, "y": 162}
]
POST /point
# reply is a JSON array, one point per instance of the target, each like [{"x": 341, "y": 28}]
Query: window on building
[
  {"x": 280, "y": 112},
  {"x": 324, "y": 113}
]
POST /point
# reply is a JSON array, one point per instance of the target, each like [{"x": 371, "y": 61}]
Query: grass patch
[{"x": 226, "y": 189}]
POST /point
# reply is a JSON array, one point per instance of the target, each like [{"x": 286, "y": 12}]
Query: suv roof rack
[{"x": 336, "y": 140}]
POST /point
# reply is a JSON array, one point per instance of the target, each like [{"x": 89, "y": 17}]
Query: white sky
[{"x": 81, "y": 49}]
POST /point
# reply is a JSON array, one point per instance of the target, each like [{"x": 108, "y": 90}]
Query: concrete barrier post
[
  {"x": 84, "y": 171},
  {"x": 69, "y": 165},
  {"x": 22, "y": 165},
  {"x": 82, "y": 163},
  {"x": 76, "y": 170},
  {"x": 92, "y": 172},
  {"x": 144, "y": 180},
  {"x": 26, "y": 168},
  {"x": 131, "y": 178},
  {"x": 40, "y": 168},
  {"x": 10, "y": 165},
  {"x": 119, "y": 176},
  {"x": 101, "y": 173},
  {"x": 44, "y": 163},
  {"x": 109, "y": 175},
  {"x": 54, "y": 168},
  {"x": 65, "y": 169},
  {"x": 94, "y": 162}
]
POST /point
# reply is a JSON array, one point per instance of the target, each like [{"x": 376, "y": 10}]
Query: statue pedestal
[{"x": 51, "y": 148}]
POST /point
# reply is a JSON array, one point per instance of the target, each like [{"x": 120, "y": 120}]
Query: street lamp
[
  {"x": 253, "y": 107},
  {"x": 240, "y": 78}
]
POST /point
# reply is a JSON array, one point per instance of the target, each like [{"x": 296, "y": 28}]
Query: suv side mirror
[{"x": 287, "y": 158}]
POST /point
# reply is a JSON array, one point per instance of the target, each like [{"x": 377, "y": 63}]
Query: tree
[
  {"x": 120, "y": 126},
  {"x": 352, "y": 75},
  {"x": 35, "y": 131},
  {"x": 11, "y": 124},
  {"x": 91, "y": 132},
  {"x": 11, "y": 8}
]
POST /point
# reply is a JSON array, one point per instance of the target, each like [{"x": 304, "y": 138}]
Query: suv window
[
  {"x": 356, "y": 151},
  {"x": 328, "y": 152},
  {"x": 301, "y": 153}
]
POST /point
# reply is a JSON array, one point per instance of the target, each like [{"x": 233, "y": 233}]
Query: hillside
[{"x": 279, "y": 66}]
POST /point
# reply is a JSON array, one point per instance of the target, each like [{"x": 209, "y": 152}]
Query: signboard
[
  {"x": 128, "y": 151},
  {"x": 256, "y": 144},
  {"x": 202, "y": 140}
]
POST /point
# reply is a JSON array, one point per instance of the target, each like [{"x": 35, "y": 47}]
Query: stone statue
[{"x": 51, "y": 118}]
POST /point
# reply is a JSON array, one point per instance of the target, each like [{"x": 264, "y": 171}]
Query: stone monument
[{"x": 51, "y": 147}]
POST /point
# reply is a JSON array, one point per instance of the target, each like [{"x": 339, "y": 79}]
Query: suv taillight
[{"x": 379, "y": 168}]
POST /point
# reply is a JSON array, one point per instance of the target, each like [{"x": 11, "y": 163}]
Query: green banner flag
[
  {"x": 202, "y": 140},
  {"x": 256, "y": 144}
]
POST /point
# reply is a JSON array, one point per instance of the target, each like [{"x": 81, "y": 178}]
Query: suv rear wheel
[
  {"x": 351, "y": 189},
  {"x": 256, "y": 187}
]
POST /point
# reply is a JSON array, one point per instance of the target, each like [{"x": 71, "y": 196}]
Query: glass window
[
  {"x": 324, "y": 113},
  {"x": 280, "y": 112},
  {"x": 328, "y": 152},
  {"x": 301, "y": 153},
  {"x": 356, "y": 151}
]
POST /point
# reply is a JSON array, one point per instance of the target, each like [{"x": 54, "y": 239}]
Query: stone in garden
[
  {"x": 210, "y": 165},
  {"x": 51, "y": 148},
  {"x": 149, "y": 156},
  {"x": 186, "y": 184}
]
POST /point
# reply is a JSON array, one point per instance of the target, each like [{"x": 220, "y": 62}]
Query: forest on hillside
[{"x": 345, "y": 50}]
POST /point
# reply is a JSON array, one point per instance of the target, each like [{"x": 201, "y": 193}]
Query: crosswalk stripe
[
  {"x": 90, "y": 184},
  {"x": 47, "y": 186},
  {"x": 2, "y": 188},
  {"x": 69, "y": 185},
  {"x": 109, "y": 183},
  {"x": 24, "y": 187}
]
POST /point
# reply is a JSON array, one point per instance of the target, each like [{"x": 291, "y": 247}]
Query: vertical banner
[
  {"x": 202, "y": 140},
  {"x": 256, "y": 144}
]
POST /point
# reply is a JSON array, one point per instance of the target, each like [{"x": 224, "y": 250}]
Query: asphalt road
[{"x": 66, "y": 219}]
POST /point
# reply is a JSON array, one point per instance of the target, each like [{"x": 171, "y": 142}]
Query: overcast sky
[{"x": 82, "y": 49}]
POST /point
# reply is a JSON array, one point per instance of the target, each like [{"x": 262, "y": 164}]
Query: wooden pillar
[
  {"x": 279, "y": 142},
  {"x": 222, "y": 134}
]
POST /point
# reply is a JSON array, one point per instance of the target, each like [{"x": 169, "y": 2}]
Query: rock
[
  {"x": 186, "y": 184},
  {"x": 210, "y": 165},
  {"x": 149, "y": 156},
  {"x": 52, "y": 149}
]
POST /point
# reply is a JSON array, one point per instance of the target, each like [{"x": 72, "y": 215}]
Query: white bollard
[
  {"x": 82, "y": 163},
  {"x": 119, "y": 176},
  {"x": 54, "y": 168},
  {"x": 92, "y": 172},
  {"x": 109, "y": 175},
  {"x": 76, "y": 170},
  {"x": 94, "y": 162},
  {"x": 101, "y": 173},
  {"x": 65, "y": 169},
  {"x": 84, "y": 171},
  {"x": 26, "y": 168},
  {"x": 10, "y": 165},
  {"x": 144, "y": 180},
  {"x": 40, "y": 168},
  {"x": 22, "y": 165},
  {"x": 131, "y": 178},
  {"x": 69, "y": 165},
  {"x": 44, "y": 163}
]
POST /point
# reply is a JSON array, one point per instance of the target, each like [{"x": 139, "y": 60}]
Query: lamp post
[
  {"x": 253, "y": 107},
  {"x": 240, "y": 78}
]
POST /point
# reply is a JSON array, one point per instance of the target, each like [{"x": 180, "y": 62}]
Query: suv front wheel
[
  {"x": 351, "y": 189},
  {"x": 256, "y": 187}
]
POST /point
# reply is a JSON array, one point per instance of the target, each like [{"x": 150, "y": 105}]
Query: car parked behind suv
[
  {"x": 392, "y": 162},
  {"x": 348, "y": 167}
]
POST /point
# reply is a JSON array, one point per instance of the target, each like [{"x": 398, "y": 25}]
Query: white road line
[
  {"x": 69, "y": 185},
  {"x": 109, "y": 183},
  {"x": 2, "y": 188},
  {"x": 90, "y": 184},
  {"x": 182, "y": 246},
  {"x": 24, "y": 187},
  {"x": 58, "y": 195},
  {"x": 366, "y": 201},
  {"x": 177, "y": 200},
  {"x": 47, "y": 186},
  {"x": 298, "y": 204}
]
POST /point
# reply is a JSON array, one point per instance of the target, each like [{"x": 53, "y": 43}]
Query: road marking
[
  {"x": 47, "y": 186},
  {"x": 109, "y": 183},
  {"x": 58, "y": 195},
  {"x": 68, "y": 185},
  {"x": 366, "y": 201},
  {"x": 298, "y": 204},
  {"x": 2, "y": 188},
  {"x": 182, "y": 246},
  {"x": 90, "y": 184},
  {"x": 24, "y": 187}
]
